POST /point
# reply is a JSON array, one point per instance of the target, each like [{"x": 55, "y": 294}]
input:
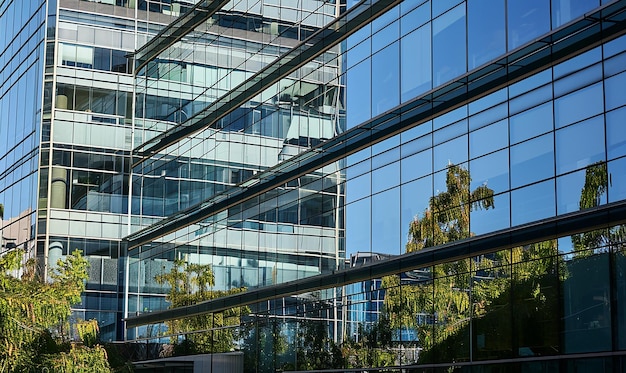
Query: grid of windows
[
  {"x": 420, "y": 45},
  {"x": 534, "y": 144}
]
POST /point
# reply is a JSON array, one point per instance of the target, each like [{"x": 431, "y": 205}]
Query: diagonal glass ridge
[{"x": 321, "y": 41}]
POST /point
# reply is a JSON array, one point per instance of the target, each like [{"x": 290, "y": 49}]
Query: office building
[
  {"x": 477, "y": 150},
  {"x": 482, "y": 156},
  {"x": 66, "y": 146}
]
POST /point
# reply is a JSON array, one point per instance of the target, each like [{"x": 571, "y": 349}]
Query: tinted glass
[
  {"x": 527, "y": 20},
  {"x": 534, "y": 202},
  {"x": 532, "y": 160},
  {"x": 386, "y": 85},
  {"x": 531, "y": 122},
  {"x": 358, "y": 87},
  {"x": 449, "y": 45},
  {"x": 580, "y": 145},
  {"x": 416, "y": 63},
  {"x": 616, "y": 133},
  {"x": 486, "y": 37},
  {"x": 578, "y": 105}
]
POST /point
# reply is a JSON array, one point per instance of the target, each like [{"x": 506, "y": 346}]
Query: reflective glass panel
[
  {"x": 531, "y": 123},
  {"x": 616, "y": 133},
  {"x": 489, "y": 139},
  {"x": 359, "y": 98},
  {"x": 578, "y": 105},
  {"x": 564, "y": 11},
  {"x": 615, "y": 91},
  {"x": 386, "y": 222},
  {"x": 358, "y": 226},
  {"x": 534, "y": 202},
  {"x": 386, "y": 79},
  {"x": 416, "y": 63},
  {"x": 580, "y": 145},
  {"x": 486, "y": 37},
  {"x": 532, "y": 160},
  {"x": 449, "y": 45},
  {"x": 491, "y": 170},
  {"x": 527, "y": 19},
  {"x": 617, "y": 174},
  {"x": 451, "y": 152}
]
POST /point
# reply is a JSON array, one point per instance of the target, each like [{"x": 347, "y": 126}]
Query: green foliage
[
  {"x": 447, "y": 217},
  {"x": 214, "y": 332},
  {"x": 263, "y": 345},
  {"x": 79, "y": 360},
  {"x": 445, "y": 220},
  {"x": 88, "y": 332},
  {"x": 33, "y": 313},
  {"x": 596, "y": 185},
  {"x": 373, "y": 349},
  {"x": 315, "y": 350}
]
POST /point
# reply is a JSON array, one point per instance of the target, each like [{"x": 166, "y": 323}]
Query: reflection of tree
[
  {"x": 596, "y": 185},
  {"x": 263, "y": 344},
  {"x": 477, "y": 291},
  {"x": 315, "y": 350},
  {"x": 446, "y": 299},
  {"x": 373, "y": 349},
  {"x": 448, "y": 214},
  {"x": 190, "y": 284}
]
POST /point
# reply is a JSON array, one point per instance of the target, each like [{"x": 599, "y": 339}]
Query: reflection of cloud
[{"x": 530, "y": 12}]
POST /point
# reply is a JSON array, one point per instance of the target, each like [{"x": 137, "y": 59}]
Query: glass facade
[
  {"x": 461, "y": 209},
  {"x": 323, "y": 185},
  {"x": 22, "y": 58}
]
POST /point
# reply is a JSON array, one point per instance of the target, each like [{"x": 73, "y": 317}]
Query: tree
[
  {"x": 34, "y": 314},
  {"x": 213, "y": 332}
]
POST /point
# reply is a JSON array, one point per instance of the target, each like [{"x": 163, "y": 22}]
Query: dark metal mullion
[{"x": 601, "y": 217}]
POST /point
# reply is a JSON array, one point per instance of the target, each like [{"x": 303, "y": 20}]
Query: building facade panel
[{"x": 522, "y": 154}]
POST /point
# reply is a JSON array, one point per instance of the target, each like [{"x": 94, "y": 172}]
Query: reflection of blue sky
[
  {"x": 489, "y": 139},
  {"x": 568, "y": 191},
  {"x": 358, "y": 226},
  {"x": 580, "y": 145},
  {"x": 531, "y": 123},
  {"x": 491, "y": 170},
  {"x": 617, "y": 174},
  {"x": 477, "y": 136},
  {"x": 451, "y": 152},
  {"x": 533, "y": 202},
  {"x": 532, "y": 160},
  {"x": 615, "y": 132},
  {"x": 386, "y": 222},
  {"x": 498, "y": 217}
]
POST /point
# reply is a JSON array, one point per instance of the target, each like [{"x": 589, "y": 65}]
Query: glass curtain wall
[
  {"x": 87, "y": 141},
  {"x": 285, "y": 234},
  {"x": 546, "y": 298},
  {"x": 544, "y": 146},
  {"x": 22, "y": 59}
]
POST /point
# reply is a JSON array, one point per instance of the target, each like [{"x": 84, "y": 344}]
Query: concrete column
[{"x": 58, "y": 190}]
